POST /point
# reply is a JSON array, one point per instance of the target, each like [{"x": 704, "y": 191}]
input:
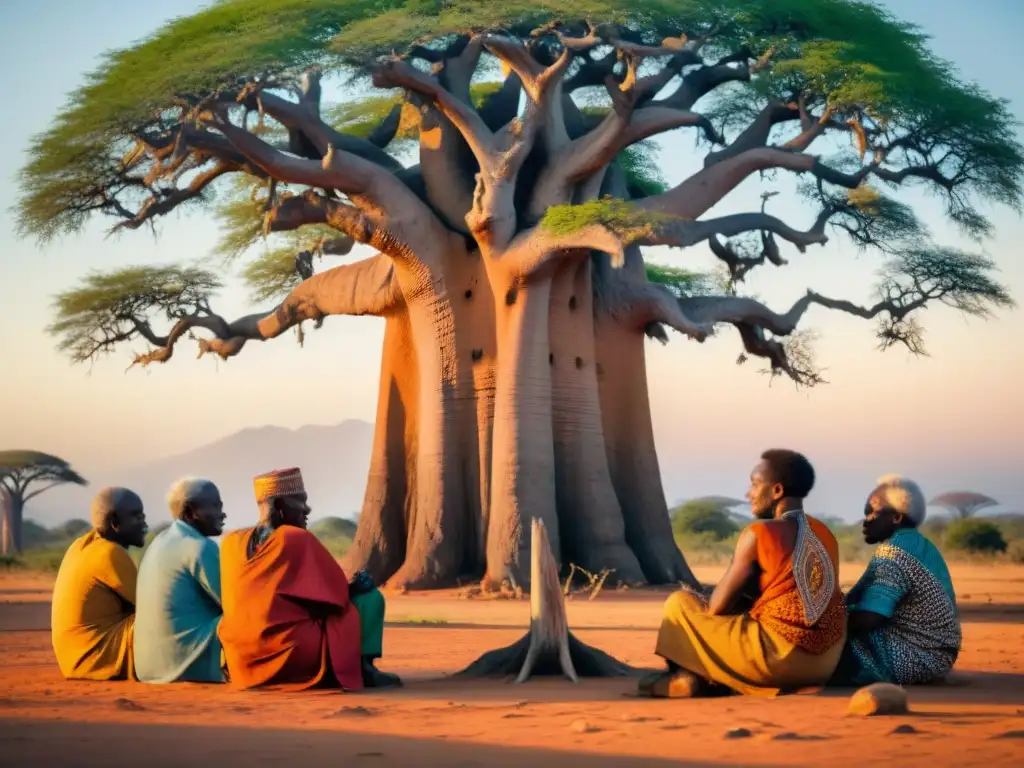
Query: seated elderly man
[
  {"x": 786, "y": 563},
  {"x": 179, "y": 591},
  {"x": 291, "y": 618},
  {"x": 93, "y": 611},
  {"x": 903, "y": 625}
]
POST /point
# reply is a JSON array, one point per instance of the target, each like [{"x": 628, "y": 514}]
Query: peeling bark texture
[
  {"x": 549, "y": 648},
  {"x": 514, "y": 294}
]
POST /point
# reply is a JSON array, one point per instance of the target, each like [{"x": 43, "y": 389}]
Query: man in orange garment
[{"x": 291, "y": 618}]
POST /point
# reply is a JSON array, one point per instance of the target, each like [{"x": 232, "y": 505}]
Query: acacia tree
[
  {"x": 963, "y": 504},
  {"x": 23, "y": 476},
  {"x": 497, "y": 157}
]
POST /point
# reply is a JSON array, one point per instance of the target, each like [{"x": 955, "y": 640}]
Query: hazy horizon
[{"x": 950, "y": 420}]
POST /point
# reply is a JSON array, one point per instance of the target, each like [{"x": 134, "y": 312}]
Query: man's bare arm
[{"x": 737, "y": 576}]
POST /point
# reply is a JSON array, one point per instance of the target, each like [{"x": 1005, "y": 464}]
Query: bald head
[
  {"x": 117, "y": 514},
  {"x": 196, "y": 501}
]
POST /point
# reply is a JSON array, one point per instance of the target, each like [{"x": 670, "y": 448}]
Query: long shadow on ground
[{"x": 40, "y": 742}]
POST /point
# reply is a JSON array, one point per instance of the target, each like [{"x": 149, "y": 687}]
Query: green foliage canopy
[
  {"x": 104, "y": 309},
  {"x": 20, "y": 467},
  {"x": 854, "y": 55},
  {"x": 909, "y": 117}
]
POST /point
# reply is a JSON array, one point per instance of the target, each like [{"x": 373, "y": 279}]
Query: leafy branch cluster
[{"x": 237, "y": 91}]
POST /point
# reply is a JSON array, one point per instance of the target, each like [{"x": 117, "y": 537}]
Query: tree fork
[{"x": 549, "y": 648}]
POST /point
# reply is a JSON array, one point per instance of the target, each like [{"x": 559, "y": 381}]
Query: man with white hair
[
  {"x": 179, "y": 591},
  {"x": 903, "y": 625},
  {"x": 93, "y": 609}
]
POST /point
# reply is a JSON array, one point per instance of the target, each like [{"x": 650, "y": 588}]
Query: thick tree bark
[
  {"x": 435, "y": 548},
  {"x": 522, "y": 472},
  {"x": 629, "y": 436},
  {"x": 590, "y": 518},
  {"x": 389, "y": 502},
  {"x": 473, "y": 301},
  {"x": 632, "y": 457}
]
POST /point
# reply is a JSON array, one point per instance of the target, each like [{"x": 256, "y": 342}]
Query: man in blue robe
[{"x": 178, "y": 593}]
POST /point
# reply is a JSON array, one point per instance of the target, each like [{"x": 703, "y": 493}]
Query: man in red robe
[{"x": 291, "y": 618}]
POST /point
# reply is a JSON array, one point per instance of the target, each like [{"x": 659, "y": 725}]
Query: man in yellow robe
[
  {"x": 787, "y": 564},
  {"x": 94, "y": 598}
]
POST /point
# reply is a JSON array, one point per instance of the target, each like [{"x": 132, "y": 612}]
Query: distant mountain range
[{"x": 334, "y": 461}]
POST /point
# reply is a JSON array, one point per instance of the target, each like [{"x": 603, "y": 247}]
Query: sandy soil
[{"x": 975, "y": 719}]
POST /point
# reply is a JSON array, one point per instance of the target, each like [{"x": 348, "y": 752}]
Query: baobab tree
[
  {"x": 497, "y": 158},
  {"x": 23, "y": 476}
]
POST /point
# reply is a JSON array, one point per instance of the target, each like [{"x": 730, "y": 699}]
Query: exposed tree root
[{"x": 549, "y": 648}]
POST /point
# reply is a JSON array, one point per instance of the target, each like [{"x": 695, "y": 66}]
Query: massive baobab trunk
[
  {"x": 622, "y": 315},
  {"x": 592, "y": 527},
  {"x": 390, "y": 500},
  {"x": 509, "y": 270},
  {"x": 632, "y": 457},
  {"x": 522, "y": 470}
]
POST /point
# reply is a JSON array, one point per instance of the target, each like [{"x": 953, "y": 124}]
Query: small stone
[
  {"x": 128, "y": 705},
  {"x": 905, "y": 728},
  {"x": 511, "y": 715},
  {"x": 791, "y": 736},
  {"x": 738, "y": 733},
  {"x": 581, "y": 726},
  {"x": 879, "y": 699}
]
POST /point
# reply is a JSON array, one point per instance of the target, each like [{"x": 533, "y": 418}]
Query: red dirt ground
[{"x": 975, "y": 719}]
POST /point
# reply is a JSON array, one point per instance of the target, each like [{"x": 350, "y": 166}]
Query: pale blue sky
[{"x": 954, "y": 419}]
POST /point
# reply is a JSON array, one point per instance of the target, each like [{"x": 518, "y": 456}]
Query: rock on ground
[{"x": 879, "y": 699}]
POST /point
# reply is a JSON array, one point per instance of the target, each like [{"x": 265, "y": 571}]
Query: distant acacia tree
[
  {"x": 704, "y": 516},
  {"x": 19, "y": 472},
  {"x": 496, "y": 155},
  {"x": 963, "y": 503}
]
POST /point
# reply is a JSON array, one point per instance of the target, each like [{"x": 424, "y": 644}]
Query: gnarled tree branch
[{"x": 367, "y": 287}]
